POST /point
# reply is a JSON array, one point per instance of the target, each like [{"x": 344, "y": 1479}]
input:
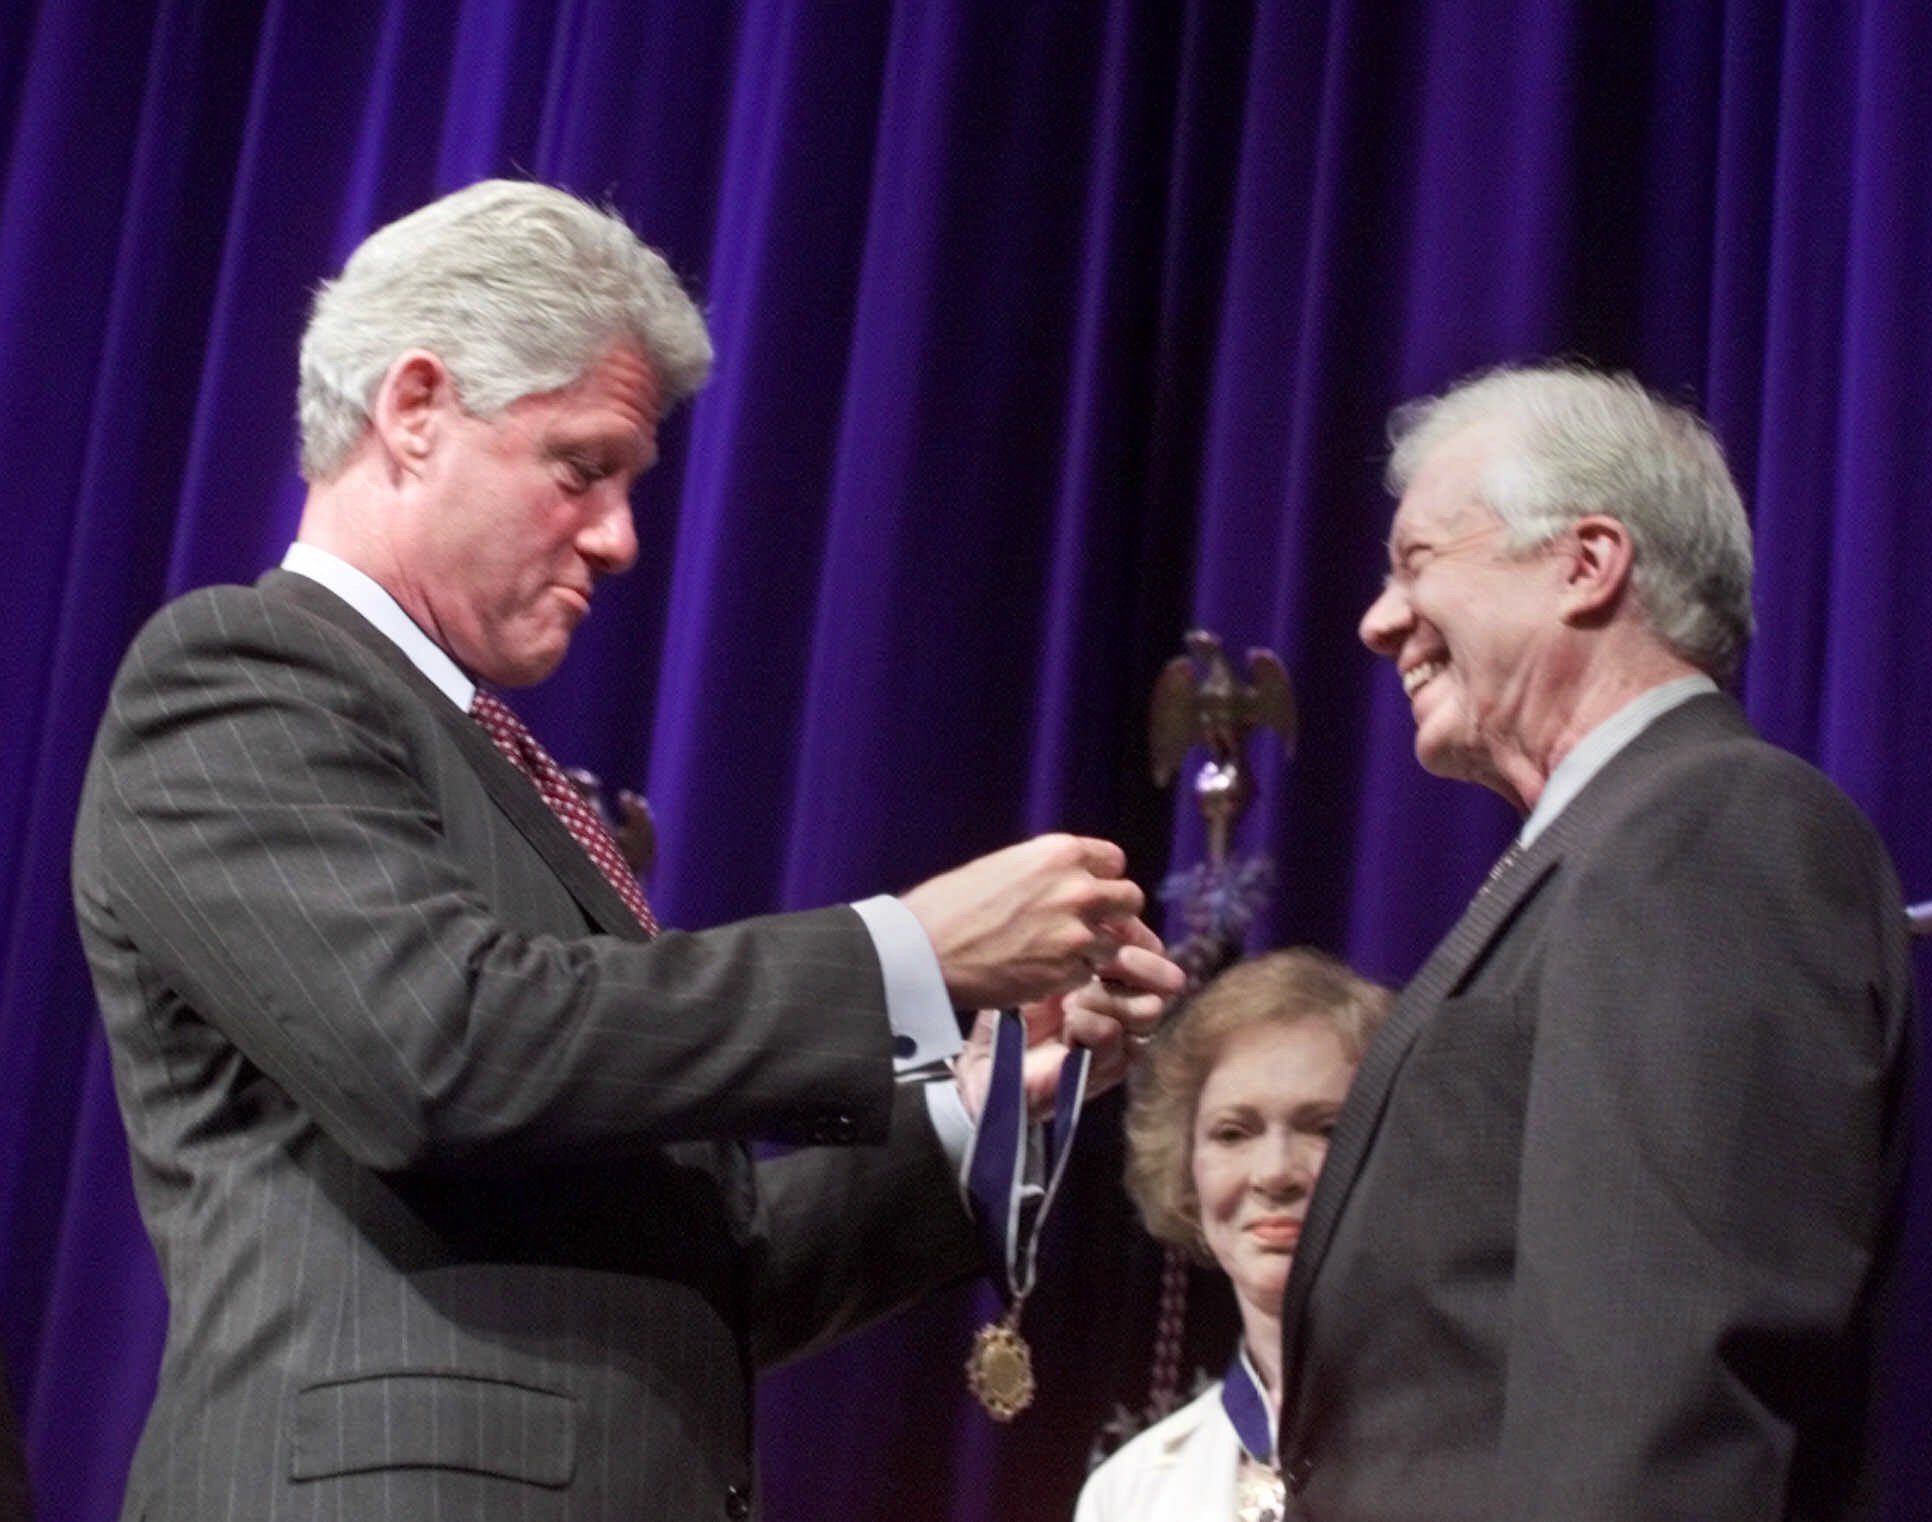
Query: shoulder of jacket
[
  {"x": 1174, "y": 1430},
  {"x": 1729, "y": 771},
  {"x": 238, "y": 623}
]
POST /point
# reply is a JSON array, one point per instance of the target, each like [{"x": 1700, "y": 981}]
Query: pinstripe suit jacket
[
  {"x": 445, "y": 1165},
  {"x": 1608, "y": 1215}
]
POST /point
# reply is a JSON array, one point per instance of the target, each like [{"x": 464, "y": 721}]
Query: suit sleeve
[
  {"x": 1711, "y": 1150},
  {"x": 267, "y": 832},
  {"x": 903, "y": 1230}
]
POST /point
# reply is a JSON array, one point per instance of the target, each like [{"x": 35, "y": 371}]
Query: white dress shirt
[{"x": 1593, "y": 752}]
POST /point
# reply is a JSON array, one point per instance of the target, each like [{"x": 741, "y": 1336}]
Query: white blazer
[{"x": 1181, "y": 1469}]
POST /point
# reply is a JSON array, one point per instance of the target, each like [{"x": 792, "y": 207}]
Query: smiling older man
[{"x": 1607, "y": 1218}]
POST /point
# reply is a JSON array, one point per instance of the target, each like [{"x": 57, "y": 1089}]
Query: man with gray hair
[
  {"x": 1608, "y": 1218},
  {"x": 443, "y": 1146}
]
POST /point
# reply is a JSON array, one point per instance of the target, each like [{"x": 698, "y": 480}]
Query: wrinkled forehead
[{"x": 1444, "y": 498}]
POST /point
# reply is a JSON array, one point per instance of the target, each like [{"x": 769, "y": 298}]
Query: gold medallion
[
  {"x": 1261, "y": 1496},
  {"x": 999, "y": 1370}
]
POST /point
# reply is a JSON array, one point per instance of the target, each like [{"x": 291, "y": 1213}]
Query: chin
[
  {"x": 530, "y": 667},
  {"x": 1267, "y": 1288},
  {"x": 1441, "y": 759},
  {"x": 1432, "y": 759}
]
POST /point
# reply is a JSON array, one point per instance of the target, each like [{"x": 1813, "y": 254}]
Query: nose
[
  {"x": 1388, "y": 618},
  {"x": 609, "y": 539},
  {"x": 1287, "y": 1168}
]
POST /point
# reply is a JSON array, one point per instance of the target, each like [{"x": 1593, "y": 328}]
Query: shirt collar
[
  {"x": 363, "y": 593},
  {"x": 1596, "y": 748}
]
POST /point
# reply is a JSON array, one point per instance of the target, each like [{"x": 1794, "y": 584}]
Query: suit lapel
[
  {"x": 512, "y": 792},
  {"x": 1368, "y": 1096}
]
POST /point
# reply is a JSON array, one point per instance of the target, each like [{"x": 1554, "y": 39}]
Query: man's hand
[
  {"x": 1111, "y": 1014},
  {"x": 1029, "y": 922}
]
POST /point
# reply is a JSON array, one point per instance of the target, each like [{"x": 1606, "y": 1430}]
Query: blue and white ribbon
[
  {"x": 1246, "y": 1403},
  {"x": 1011, "y": 1214}
]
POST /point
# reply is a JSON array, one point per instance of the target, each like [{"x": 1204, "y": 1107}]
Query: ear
[
  {"x": 1600, "y": 561},
  {"x": 410, "y": 405}
]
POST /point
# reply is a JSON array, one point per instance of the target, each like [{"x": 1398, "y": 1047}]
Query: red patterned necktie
[{"x": 578, "y": 817}]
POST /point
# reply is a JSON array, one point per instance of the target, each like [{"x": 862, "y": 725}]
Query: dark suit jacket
[
  {"x": 1607, "y": 1217},
  {"x": 445, "y": 1165}
]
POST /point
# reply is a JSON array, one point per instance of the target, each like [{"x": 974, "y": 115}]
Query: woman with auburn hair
[{"x": 1227, "y": 1125}]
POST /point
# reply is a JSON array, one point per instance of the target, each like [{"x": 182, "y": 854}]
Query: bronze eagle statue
[{"x": 1198, "y": 700}]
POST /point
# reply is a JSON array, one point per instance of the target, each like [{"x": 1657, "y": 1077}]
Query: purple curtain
[{"x": 1046, "y": 331}]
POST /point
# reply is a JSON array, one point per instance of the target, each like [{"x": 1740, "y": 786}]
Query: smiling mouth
[
  {"x": 1420, "y": 674},
  {"x": 1275, "y": 1232}
]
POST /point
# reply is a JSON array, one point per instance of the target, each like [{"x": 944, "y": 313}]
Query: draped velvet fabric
[{"x": 1046, "y": 330}]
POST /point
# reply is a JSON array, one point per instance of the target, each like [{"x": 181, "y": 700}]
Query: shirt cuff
[
  {"x": 953, "y": 1126},
  {"x": 925, "y": 1028}
]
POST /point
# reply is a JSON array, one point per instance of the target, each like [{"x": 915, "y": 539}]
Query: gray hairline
[
  {"x": 1517, "y": 486},
  {"x": 620, "y": 290}
]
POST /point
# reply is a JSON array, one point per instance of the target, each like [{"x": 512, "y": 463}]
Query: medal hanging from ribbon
[
  {"x": 999, "y": 1370},
  {"x": 1262, "y": 1497}
]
